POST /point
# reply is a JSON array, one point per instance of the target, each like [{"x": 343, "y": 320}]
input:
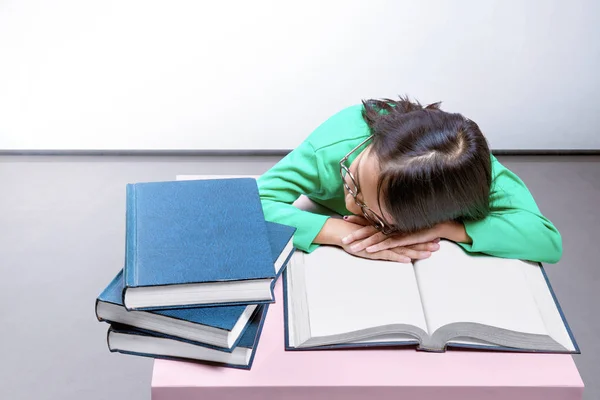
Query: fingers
[
  {"x": 430, "y": 246},
  {"x": 384, "y": 244},
  {"x": 373, "y": 239},
  {"x": 388, "y": 255},
  {"x": 357, "y": 219},
  {"x": 400, "y": 254},
  {"x": 368, "y": 242},
  {"x": 412, "y": 253},
  {"x": 403, "y": 240},
  {"x": 359, "y": 234},
  {"x": 390, "y": 243},
  {"x": 394, "y": 256}
]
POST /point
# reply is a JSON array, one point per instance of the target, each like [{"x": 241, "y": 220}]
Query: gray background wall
[{"x": 263, "y": 74}]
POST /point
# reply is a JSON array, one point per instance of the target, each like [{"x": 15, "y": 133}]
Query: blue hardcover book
[
  {"x": 196, "y": 243},
  {"x": 220, "y": 327},
  {"x": 453, "y": 299},
  {"x": 131, "y": 341}
]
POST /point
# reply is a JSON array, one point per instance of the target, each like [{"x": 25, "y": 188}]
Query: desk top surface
[{"x": 275, "y": 367}]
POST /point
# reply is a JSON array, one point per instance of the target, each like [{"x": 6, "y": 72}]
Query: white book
[{"x": 452, "y": 299}]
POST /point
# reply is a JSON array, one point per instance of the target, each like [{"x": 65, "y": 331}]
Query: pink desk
[{"x": 369, "y": 374}]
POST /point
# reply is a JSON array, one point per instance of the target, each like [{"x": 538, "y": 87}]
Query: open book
[{"x": 452, "y": 299}]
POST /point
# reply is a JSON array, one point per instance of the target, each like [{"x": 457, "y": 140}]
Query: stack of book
[{"x": 200, "y": 266}]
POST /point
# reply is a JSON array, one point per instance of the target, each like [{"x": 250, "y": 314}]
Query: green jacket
[{"x": 515, "y": 228}]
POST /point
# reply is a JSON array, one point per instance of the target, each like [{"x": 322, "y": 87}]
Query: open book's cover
[
  {"x": 491, "y": 347},
  {"x": 249, "y": 339},
  {"x": 199, "y": 231}
]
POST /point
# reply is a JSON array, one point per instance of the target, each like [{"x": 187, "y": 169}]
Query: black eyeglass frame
[{"x": 374, "y": 219}]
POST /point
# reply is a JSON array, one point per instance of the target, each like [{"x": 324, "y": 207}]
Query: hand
[
  {"x": 335, "y": 229},
  {"x": 365, "y": 239},
  {"x": 402, "y": 254}
]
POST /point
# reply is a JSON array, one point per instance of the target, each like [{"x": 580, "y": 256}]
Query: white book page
[
  {"x": 389, "y": 338},
  {"x": 291, "y": 317},
  {"x": 347, "y": 293},
  {"x": 456, "y": 287},
  {"x": 547, "y": 306}
]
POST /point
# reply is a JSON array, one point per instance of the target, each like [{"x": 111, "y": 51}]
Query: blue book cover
[
  {"x": 281, "y": 238},
  {"x": 183, "y": 234},
  {"x": 131, "y": 341}
]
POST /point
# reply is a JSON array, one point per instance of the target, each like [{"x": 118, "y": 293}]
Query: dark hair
[{"x": 435, "y": 166}]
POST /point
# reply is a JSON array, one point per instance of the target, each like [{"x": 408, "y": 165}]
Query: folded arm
[
  {"x": 515, "y": 227},
  {"x": 296, "y": 174}
]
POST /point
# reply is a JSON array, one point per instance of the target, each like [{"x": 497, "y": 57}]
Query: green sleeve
[
  {"x": 515, "y": 227},
  {"x": 294, "y": 175}
]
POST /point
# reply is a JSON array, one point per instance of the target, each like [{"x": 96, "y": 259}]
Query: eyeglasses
[{"x": 353, "y": 188}]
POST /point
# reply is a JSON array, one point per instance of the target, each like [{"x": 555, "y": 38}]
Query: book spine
[
  {"x": 431, "y": 349},
  {"x": 130, "y": 239},
  {"x": 431, "y": 343},
  {"x": 96, "y": 310}
]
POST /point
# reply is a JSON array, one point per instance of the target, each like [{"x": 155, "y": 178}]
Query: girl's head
[{"x": 424, "y": 166}]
